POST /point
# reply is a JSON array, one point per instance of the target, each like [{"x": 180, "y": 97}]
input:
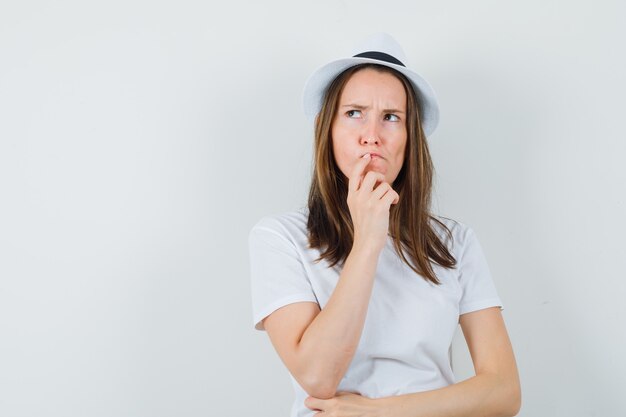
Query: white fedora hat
[{"x": 379, "y": 49}]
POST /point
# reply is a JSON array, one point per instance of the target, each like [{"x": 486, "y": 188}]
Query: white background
[{"x": 140, "y": 141}]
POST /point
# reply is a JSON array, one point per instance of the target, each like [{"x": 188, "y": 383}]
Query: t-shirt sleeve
[
  {"x": 277, "y": 274},
  {"x": 478, "y": 288}
]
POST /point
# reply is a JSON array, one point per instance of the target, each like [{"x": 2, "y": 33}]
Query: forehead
[{"x": 369, "y": 85}]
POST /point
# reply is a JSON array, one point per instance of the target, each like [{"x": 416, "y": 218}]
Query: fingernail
[{"x": 367, "y": 155}]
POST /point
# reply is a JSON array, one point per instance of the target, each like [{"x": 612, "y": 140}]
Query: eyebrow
[{"x": 360, "y": 107}]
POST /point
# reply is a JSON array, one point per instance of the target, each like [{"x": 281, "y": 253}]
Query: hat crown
[
  {"x": 382, "y": 49},
  {"x": 381, "y": 42}
]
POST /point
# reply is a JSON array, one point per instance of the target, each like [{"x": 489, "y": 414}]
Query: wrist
[{"x": 365, "y": 247}]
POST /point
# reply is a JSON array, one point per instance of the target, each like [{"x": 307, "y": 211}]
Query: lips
[{"x": 373, "y": 155}]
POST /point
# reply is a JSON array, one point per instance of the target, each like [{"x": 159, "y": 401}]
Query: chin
[{"x": 382, "y": 170}]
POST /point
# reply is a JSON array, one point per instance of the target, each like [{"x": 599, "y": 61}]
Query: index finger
[{"x": 357, "y": 172}]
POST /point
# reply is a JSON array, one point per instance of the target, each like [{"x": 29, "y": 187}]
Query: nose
[{"x": 371, "y": 132}]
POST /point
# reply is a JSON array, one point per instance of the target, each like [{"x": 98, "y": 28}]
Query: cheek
[
  {"x": 400, "y": 152},
  {"x": 342, "y": 157},
  {"x": 341, "y": 147}
]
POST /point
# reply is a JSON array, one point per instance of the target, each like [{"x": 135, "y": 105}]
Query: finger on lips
[{"x": 357, "y": 171}]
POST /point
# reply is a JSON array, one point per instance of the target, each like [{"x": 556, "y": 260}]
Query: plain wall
[{"x": 140, "y": 141}]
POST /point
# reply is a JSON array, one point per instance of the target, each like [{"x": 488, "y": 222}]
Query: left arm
[{"x": 493, "y": 392}]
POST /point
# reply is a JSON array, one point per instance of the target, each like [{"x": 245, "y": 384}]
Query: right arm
[{"x": 316, "y": 345}]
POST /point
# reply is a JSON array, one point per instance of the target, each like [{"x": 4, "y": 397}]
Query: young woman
[{"x": 361, "y": 291}]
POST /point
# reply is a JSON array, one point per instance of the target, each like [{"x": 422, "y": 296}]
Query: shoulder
[
  {"x": 288, "y": 224},
  {"x": 459, "y": 234}
]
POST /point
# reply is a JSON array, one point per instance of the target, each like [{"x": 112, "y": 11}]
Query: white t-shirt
[{"x": 410, "y": 322}]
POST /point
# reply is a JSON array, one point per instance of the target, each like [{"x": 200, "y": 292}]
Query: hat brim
[{"x": 315, "y": 88}]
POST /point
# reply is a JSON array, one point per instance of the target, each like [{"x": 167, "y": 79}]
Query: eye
[
  {"x": 395, "y": 118},
  {"x": 351, "y": 113}
]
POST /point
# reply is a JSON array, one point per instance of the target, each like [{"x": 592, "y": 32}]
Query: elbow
[
  {"x": 321, "y": 375},
  {"x": 505, "y": 394},
  {"x": 516, "y": 401},
  {"x": 321, "y": 386},
  {"x": 320, "y": 391},
  {"x": 513, "y": 398}
]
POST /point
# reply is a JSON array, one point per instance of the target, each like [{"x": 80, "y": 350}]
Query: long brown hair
[{"x": 330, "y": 224}]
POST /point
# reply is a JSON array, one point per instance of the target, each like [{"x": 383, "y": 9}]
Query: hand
[
  {"x": 369, "y": 205},
  {"x": 344, "y": 404}
]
